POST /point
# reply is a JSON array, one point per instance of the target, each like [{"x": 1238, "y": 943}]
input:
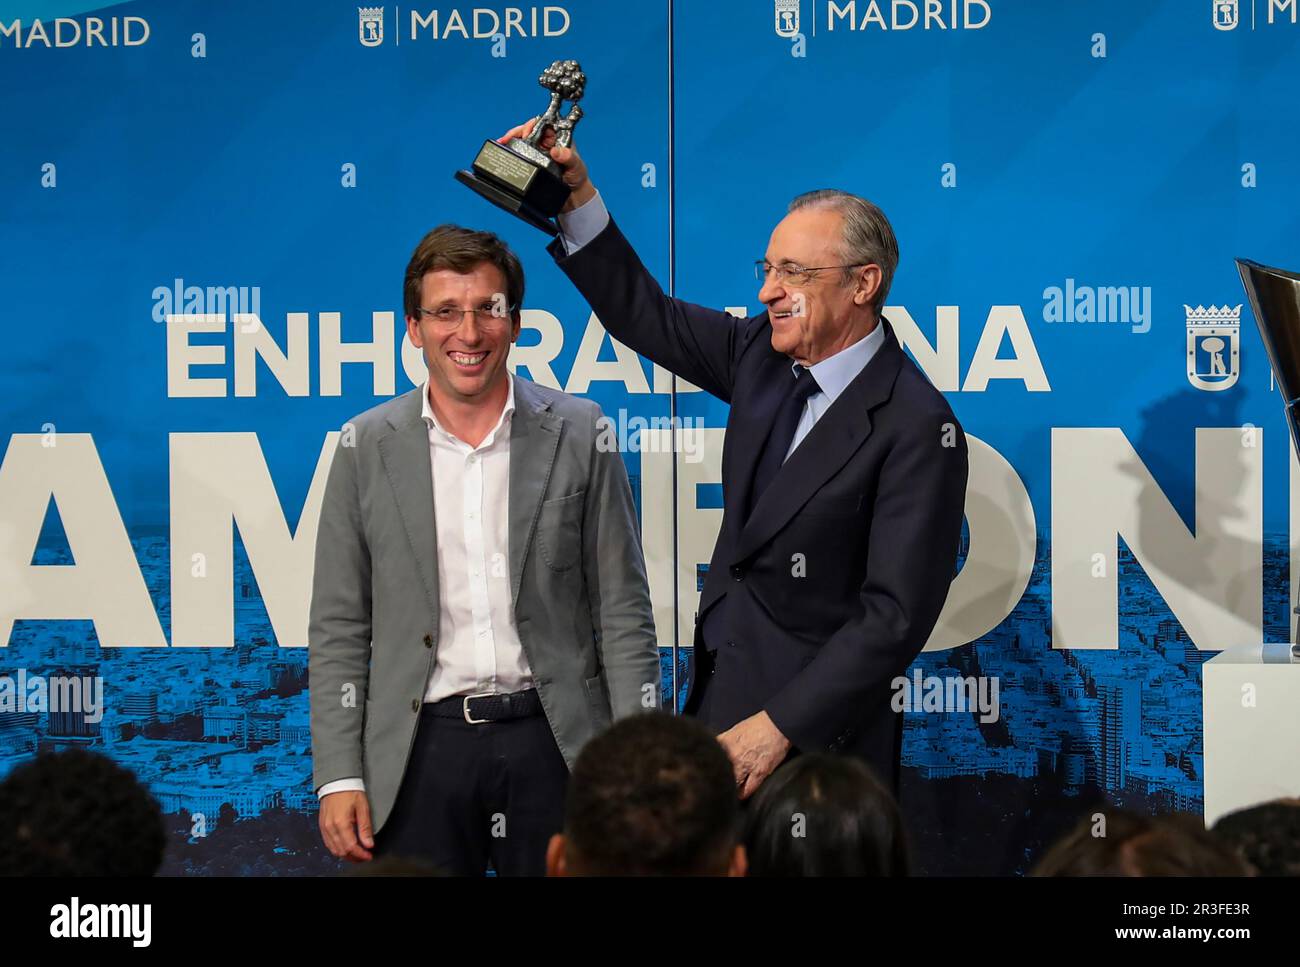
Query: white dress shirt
[{"x": 478, "y": 643}]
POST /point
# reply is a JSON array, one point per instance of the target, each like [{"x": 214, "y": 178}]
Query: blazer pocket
[
  {"x": 559, "y": 531},
  {"x": 598, "y": 701}
]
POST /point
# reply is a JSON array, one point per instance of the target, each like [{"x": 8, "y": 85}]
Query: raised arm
[{"x": 698, "y": 344}]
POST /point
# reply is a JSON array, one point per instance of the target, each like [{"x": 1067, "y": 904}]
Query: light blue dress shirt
[{"x": 833, "y": 375}]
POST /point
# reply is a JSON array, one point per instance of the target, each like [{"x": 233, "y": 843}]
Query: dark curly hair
[
  {"x": 78, "y": 813},
  {"x": 654, "y": 795},
  {"x": 1265, "y": 836}
]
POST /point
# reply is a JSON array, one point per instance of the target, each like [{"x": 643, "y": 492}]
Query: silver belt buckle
[{"x": 465, "y": 707}]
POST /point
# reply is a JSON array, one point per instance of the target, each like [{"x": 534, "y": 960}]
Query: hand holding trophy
[{"x": 520, "y": 175}]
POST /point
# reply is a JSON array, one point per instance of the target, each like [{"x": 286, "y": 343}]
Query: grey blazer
[{"x": 577, "y": 576}]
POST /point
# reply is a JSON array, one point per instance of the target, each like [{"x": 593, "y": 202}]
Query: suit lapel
[
  {"x": 740, "y": 453},
  {"x": 408, "y": 463},
  {"x": 748, "y": 436},
  {"x": 534, "y": 441},
  {"x": 833, "y": 440}
]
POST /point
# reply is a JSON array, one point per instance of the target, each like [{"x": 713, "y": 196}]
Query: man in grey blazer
[{"x": 479, "y": 607}]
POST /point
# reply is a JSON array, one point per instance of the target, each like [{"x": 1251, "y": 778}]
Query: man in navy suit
[{"x": 843, "y": 474}]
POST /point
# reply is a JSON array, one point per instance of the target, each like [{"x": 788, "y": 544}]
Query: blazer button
[
  {"x": 428, "y": 641},
  {"x": 415, "y": 705},
  {"x": 737, "y": 572}
]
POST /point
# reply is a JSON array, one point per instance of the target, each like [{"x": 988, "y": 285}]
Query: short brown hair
[{"x": 461, "y": 249}]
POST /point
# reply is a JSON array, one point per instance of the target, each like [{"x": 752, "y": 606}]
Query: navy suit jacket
[{"x": 832, "y": 584}]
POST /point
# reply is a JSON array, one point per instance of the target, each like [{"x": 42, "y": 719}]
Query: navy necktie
[{"x": 784, "y": 424}]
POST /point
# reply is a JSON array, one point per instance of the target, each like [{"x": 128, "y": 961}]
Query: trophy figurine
[
  {"x": 1275, "y": 298},
  {"x": 520, "y": 176}
]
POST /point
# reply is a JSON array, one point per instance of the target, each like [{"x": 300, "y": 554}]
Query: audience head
[
  {"x": 655, "y": 795},
  {"x": 1265, "y": 836},
  {"x": 78, "y": 813},
  {"x": 824, "y": 815},
  {"x": 1120, "y": 843}
]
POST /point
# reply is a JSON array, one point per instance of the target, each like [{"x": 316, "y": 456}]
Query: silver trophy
[
  {"x": 520, "y": 176},
  {"x": 1275, "y": 298}
]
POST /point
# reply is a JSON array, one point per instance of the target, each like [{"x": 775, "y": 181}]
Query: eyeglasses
[
  {"x": 793, "y": 272},
  {"x": 488, "y": 315}
]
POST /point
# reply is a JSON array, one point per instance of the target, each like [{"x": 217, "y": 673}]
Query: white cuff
[
  {"x": 584, "y": 223},
  {"x": 341, "y": 785}
]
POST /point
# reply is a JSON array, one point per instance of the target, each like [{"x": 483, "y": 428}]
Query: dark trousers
[{"x": 474, "y": 794}]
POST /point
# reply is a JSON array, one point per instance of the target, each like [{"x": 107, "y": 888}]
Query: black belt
[{"x": 487, "y": 707}]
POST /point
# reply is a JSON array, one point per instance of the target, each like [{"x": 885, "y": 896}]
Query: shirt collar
[
  {"x": 835, "y": 373},
  {"x": 431, "y": 420}
]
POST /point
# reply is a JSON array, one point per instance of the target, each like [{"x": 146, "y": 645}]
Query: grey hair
[{"x": 867, "y": 237}]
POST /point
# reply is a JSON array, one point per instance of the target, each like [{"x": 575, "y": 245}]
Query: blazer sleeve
[
  {"x": 618, "y": 593},
  {"x": 339, "y": 627},
  {"x": 698, "y": 344},
  {"x": 912, "y": 552}
]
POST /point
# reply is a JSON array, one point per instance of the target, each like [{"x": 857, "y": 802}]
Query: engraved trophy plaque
[{"x": 520, "y": 176}]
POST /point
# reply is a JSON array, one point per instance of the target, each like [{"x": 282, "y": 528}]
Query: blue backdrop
[{"x": 1069, "y": 184}]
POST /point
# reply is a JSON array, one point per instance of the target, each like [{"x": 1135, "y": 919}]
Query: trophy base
[
  {"x": 508, "y": 202},
  {"x": 520, "y": 179}
]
